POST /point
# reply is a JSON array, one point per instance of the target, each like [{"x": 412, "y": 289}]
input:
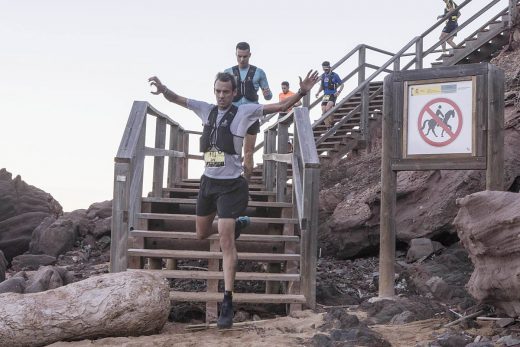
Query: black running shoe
[
  {"x": 241, "y": 223},
  {"x": 225, "y": 320}
]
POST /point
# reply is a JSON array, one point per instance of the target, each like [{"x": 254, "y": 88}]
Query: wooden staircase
[
  {"x": 352, "y": 114},
  {"x": 481, "y": 45},
  {"x": 156, "y": 233}
]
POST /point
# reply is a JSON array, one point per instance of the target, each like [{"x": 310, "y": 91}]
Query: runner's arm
[
  {"x": 264, "y": 85},
  {"x": 168, "y": 94}
]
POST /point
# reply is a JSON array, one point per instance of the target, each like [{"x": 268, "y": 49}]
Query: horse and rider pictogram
[{"x": 440, "y": 113}]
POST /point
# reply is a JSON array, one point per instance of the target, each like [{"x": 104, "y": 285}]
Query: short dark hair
[
  {"x": 243, "y": 46},
  {"x": 226, "y": 77},
  {"x": 285, "y": 83},
  {"x": 325, "y": 63}
]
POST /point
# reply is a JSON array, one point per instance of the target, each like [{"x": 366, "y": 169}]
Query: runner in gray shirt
[{"x": 223, "y": 190}]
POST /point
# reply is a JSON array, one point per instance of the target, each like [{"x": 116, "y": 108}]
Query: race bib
[
  {"x": 326, "y": 97},
  {"x": 214, "y": 158}
]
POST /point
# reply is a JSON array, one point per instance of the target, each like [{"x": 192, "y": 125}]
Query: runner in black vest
[
  {"x": 250, "y": 78},
  {"x": 223, "y": 191}
]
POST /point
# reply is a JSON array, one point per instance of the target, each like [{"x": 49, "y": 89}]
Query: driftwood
[{"x": 120, "y": 304}]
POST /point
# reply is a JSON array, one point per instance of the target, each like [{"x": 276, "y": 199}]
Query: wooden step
[
  {"x": 190, "y": 217},
  {"x": 238, "y": 297},
  {"x": 182, "y": 254},
  {"x": 187, "y": 235},
  {"x": 194, "y": 201},
  {"x": 195, "y": 191},
  {"x": 197, "y": 185},
  {"x": 218, "y": 275}
]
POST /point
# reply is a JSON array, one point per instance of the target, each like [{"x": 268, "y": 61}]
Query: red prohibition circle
[{"x": 424, "y": 111}]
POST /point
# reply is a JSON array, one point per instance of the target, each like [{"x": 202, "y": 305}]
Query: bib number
[
  {"x": 214, "y": 158},
  {"x": 326, "y": 97}
]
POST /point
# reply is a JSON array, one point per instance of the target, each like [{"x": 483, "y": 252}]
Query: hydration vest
[
  {"x": 219, "y": 136},
  {"x": 328, "y": 85},
  {"x": 245, "y": 88},
  {"x": 454, "y": 16}
]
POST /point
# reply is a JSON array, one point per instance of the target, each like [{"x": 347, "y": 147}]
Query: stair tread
[
  {"x": 194, "y": 201},
  {"x": 218, "y": 275},
  {"x": 192, "y": 190},
  {"x": 182, "y": 254},
  {"x": 191, "y": 217},
  {"x": 187, "y": 235},
  {"x": 237, "y": 297}
]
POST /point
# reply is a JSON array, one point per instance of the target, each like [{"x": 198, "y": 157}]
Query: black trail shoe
[
  {"x": 225, "y": 320},
  {"x": 241, "y": 223}
]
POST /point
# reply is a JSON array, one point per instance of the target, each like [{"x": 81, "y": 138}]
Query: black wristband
[
  {"x": 301, "y": 93},
  {"x": 164, "y": 89}
]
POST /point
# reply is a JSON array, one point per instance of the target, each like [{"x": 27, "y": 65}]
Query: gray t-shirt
[{"x": 246, "y": 115}]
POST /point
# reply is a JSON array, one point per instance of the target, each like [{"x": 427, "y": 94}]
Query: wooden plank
[
  {"x": 281, "y": 167},
  {"x": 237, "y": 297},
  {"x": 195, "y": 191},
  {"x": 160, "y": 152},
  {"x": 187, "y": 235},
  {"x": 190, "y": 217},
  {"x": 181, "y": 254},
  {"x": 271, "y": 204},
  {"x": 307, "y": 146},
  {"x": 495, "y": 136},
  {"x": 128, "y": 146},
  {"x": 475, "y": 163},
  {"x": 219, "y": 275},
  {"x": 283, "y": 158}
]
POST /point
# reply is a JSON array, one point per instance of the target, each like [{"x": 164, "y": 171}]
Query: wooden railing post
[
  {"x": 119, "y": 235},
  {"x": 281, "y": 167},
  {"x": 363, "y": 113},
  {"x": 397, "y": 64},
  {"x": 173, "y": 162},
  {"x": 186, "y": 149},
  {"x": 419, "y": 53},
  {"x": 270, "y": 147},
  {"x": 158, "y": 161}
]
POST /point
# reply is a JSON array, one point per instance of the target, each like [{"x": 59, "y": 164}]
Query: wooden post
[
  {"x": 158, "y": 161},
  {"x": 419, "y": 53},
  {"x": 495, "y": 134},
  {"x": 212, "y": 285},
  {"x": 270, "y": 165},
  {"x": 173, "y": 162},
  {"x": 397, "y": 64},
  {"x": 281, "y": 168},
  {"x": 311, "y": 179},
  {"x": 180, "y": 162},
  {"x": 363, "y": 112},
  {"x": 119, "y": 233},
  {"x": 513, "y": 13},
  {"x": 388, "y": 197},
  {"x": 186, "y": 149}
]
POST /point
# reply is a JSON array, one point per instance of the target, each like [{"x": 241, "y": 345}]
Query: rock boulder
[{"x": 488, "y": 225}]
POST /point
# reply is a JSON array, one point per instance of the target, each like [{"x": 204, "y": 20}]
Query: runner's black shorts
[
  {"x": 450, "y": 26},
  {"x": 229, "y": 197},
  {"x": 332, "y": 98},
  {"x": 254, "y": 128}
]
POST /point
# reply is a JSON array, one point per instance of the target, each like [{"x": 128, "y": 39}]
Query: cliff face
[{"x": 426, "y": 200}]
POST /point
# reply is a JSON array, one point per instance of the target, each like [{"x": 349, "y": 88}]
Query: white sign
[{"x": 439, "y": 118}]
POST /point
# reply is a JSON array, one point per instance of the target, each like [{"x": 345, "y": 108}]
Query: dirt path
[{"x": 285, "y": 331}]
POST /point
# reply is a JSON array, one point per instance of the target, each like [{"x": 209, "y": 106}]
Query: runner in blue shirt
[{"x": 332, "y": 86}]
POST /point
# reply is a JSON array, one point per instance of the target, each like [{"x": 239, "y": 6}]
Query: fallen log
[{"x": 118, "y": 304}]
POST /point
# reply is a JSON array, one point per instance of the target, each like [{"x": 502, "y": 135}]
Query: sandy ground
[{"x": 296, "y": 330}]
